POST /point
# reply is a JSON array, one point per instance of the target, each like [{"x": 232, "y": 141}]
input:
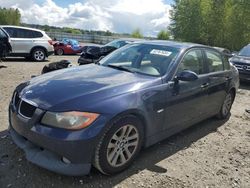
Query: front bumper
[
  {"x": 46, "y": 159},
  {"x": 47, "y": 146}
]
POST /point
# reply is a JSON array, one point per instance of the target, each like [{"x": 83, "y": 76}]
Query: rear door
[{"x": 219, "y": 79}]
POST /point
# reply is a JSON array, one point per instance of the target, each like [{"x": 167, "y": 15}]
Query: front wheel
[
  {"x": 119, "y": 145},
  {"x": 38, "y": 54},
  {"x": 226, "y": 106}
]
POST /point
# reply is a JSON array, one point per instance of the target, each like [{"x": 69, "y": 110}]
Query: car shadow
[
  {"x": 14, "y": 164},
  {"x": 244, "y": 85},
  {"x": 20, "y": 59}
]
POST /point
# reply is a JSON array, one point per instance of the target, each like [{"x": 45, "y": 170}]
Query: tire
[
  {"x": 38, "y": 54},
  {"x": 115, "y": 152},
  {"x": 59, "y": 51},
  {"x": 226, "y": 106}
]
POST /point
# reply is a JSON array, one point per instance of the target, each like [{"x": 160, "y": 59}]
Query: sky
[{"x": 121, "y": 16}]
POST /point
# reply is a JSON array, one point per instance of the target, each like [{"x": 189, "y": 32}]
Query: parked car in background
[
  {"x": 242, "y": 61},
  {"x": 67, "y": 47},
  {"x": 5, "y": 47},
  {"x": 103, "y": 114},
  {"x": 92, "y": 54},
  {"x": 29, "y": 43}
]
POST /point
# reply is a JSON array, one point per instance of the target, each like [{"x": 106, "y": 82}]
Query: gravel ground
[{"x": 210, "y": 154}]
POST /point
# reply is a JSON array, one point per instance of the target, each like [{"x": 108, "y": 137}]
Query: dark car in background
[
  {"x": 103, "y": 114},
  {"x": 242, "y": 61},
  {"x": 5, "y": 47},
  {"x": 67, "y": 47},
  {"x": 92, "y": 54}
]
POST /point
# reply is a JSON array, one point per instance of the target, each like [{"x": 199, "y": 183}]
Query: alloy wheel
[
  {"x": 39, "y": 55},
  {"x": 122, "y": 145}
]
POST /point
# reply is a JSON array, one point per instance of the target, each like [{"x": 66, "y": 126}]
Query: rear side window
[
  {"x": 214, "y": 60},
  {"x": 22, "y": 33},
  {"x": 192, "y": 61},
  {"x": 37, "y": 34}
]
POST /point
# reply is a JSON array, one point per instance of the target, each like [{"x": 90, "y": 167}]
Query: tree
[
  {"x": 136, "y": 34},
  {"x": 224, "y": 23},
  {"x": 9, "y": 16},
  {"x": 163, "y": 35}
]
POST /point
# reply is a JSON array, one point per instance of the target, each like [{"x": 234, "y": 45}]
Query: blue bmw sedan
[{"x": 102, "y": 114}]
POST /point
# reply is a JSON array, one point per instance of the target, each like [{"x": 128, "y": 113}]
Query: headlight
[{"x": 69, "y": 120}]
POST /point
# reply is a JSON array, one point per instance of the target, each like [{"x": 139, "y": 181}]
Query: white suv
[{"x": 29, "y": 43}]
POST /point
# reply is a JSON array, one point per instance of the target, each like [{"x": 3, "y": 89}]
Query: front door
[{"x": 187, "y": 100}]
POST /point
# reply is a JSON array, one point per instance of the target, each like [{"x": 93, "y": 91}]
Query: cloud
[{"x": 122, "y": 16}]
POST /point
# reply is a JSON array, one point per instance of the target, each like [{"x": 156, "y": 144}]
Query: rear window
[{"x": 22, "y": 33}]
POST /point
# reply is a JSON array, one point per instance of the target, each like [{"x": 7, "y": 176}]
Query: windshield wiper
[{"x": 120, "y": 68}]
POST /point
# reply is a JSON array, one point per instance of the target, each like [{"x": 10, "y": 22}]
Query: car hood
[
  {"x": 240, "y": 59},
  {"x": 88, "y": 84}
]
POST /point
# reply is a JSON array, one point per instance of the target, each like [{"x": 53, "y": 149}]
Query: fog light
[{"x": 65, "y": 160}]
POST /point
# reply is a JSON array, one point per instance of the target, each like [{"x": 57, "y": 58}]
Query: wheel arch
[
  {"x": 233, "y": 90},
  {"x": 42, "y": 47},
  {"x": 136, "y": 113}
]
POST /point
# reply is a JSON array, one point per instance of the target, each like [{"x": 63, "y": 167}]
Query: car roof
[
  {"x": 175, "y": 44},
  {"x": 20, "y": 27},
  {"x": 128, "y": 39}
]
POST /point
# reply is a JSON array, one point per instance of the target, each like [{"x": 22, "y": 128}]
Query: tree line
[
  {"x": 9, "y": 16},
  {"x": 223, "y": 23}
]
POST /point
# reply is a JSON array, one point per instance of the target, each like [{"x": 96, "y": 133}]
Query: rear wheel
[
  {"x": 59, "y": 51},
  {"x": 38, "y": 54},
  {"x": 119, "y": 145},
  {"x": 226, "y": 106}
]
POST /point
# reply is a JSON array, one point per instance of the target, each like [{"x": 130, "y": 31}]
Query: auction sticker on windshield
[{"x": 160, "y": 52}]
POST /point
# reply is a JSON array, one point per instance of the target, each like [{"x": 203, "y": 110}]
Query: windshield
[
  {"x": 147, "y": 59},
  {"x": 245, "y": 51}
]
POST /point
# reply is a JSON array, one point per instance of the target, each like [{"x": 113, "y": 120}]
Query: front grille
[
  {"x": 26, "y": 110},
  {"x": 241, "y": 66}
]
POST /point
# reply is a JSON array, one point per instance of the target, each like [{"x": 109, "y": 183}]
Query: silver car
[{"x": 29, "y": 42}]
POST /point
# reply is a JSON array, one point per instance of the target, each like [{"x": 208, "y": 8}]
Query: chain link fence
[{"x": 85, "y": 38}]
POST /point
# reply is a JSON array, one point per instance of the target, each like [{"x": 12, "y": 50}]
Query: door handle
[{"x": 205, "y": 85}]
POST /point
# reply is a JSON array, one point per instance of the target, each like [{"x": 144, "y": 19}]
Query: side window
[
  {"x": 192, "y": 61},
  {"x": 11, "y": 31},
  {"x": 226, "y": 63},
  {"x": 214, "y": 60},
  {"x": 24, "y": 33},
  {"x": 36, "y": 34}
]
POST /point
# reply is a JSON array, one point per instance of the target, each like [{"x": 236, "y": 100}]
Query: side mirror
[{"x": 187, "y": 75}]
